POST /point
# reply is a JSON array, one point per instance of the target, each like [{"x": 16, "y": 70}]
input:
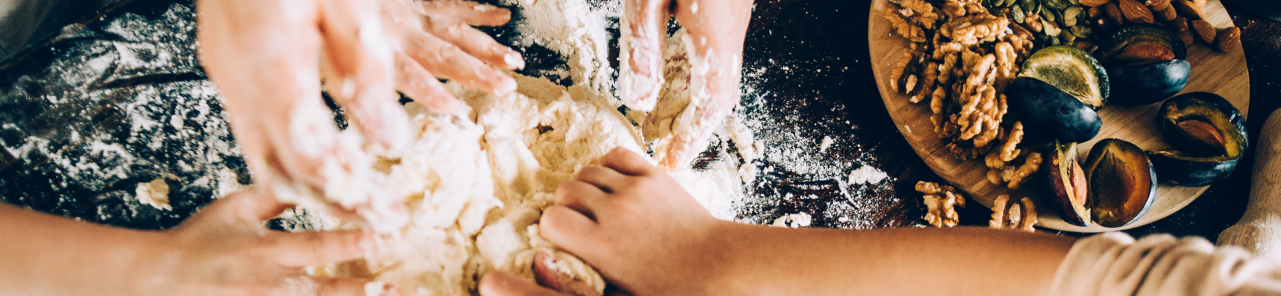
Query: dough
[
  {"x": 475, "y": 184},
  {"x": 154, "y": 193}
]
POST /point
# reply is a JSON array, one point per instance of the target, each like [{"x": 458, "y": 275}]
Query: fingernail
[
  {"x": 396, "y": 126},
  {"x": 514, "y": 60},
  {"x": 506, "y": 86},
  {"x": 380, "y": 289},
  {"x": 348, "y": 88},
  {"x": 368, "y": 243},
  {"x": 445, "y": 105}
]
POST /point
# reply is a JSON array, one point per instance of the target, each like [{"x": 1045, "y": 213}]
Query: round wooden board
[{"x": 1221, "y": 73}]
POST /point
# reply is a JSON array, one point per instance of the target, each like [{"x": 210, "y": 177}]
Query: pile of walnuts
[{"x": 961, "y": 58}]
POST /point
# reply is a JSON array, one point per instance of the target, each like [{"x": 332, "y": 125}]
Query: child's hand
[
  {"x": 638, "y": 226},
  {"x": 550, "y": 282}
]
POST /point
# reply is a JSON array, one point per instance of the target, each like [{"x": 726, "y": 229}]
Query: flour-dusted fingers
[
  {"x": 310, "y": 248},
  {"x": 604, "y": 178},
  {"x": 580, "y": 196},
  {"x": 546, "y": 274},
  {"x": 643, "y": 30},
  {"x": 474, "y": 42},
  {"x": 446, "y": 60},
  {"x": 333, "y": 286},
  {"x": 568, "y": 229},
  {"x": 502, "y": 283},
  {"x": 471, "y": 13},
  {"x": 689, "y": 140},
  {"x": 626, "y": 162},
  {"x": 250, "y": 205},
  {"x": 359, "y": 54},
  {"x": 418, "y": 84}
]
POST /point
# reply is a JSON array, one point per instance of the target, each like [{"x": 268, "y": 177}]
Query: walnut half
[{"x": 1020, "y": 215}]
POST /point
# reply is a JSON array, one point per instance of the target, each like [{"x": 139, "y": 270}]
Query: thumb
[
  {"x": 502, "y": 283},
  {"x": 643, "y": 31}
]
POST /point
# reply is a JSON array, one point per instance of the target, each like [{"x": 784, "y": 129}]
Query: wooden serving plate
[{"x": 1224, "y": 74}]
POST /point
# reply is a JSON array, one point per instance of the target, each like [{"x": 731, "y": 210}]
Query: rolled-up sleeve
[{"x": 1116, "y": 264}]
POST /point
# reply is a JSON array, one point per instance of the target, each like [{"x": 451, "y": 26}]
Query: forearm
[
  {"x": 42, "y": 254},
  {"x": 975, "y": 261}
]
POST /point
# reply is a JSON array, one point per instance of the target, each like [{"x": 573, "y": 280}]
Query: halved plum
[
  {"x": 1066, "y": 183},
  {"x": 1209, "y": 137},
  {"x": 1057, "y": 93},
  {"x": 1122, "y": 182},
  {"x": 1044, "y": 108},
  {"x": 1146, "y": 64}
]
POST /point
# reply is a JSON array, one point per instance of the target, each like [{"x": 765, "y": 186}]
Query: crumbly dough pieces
[{"x": 476, "y": 183}]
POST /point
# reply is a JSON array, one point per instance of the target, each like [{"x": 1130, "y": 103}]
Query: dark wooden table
[
  {"x": 807, "y": 77},
  {"x": 819, "y": 34}
]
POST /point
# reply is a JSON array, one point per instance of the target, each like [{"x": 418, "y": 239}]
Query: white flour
[{"x": 476, "y": 183}]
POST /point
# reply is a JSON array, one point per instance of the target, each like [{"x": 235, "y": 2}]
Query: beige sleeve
[{"x": 1116, "y": 264}]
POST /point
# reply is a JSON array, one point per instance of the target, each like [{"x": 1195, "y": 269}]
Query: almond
[
  {"x": 1187, "y": 9},
  {"x": 1094, "y": 3},
  {"x": 1187, "y": 37},
  {"x": 1166, "y": 14},
  {"x": 1204, "y": 30},
  {"x": 1136, "y": 12},
  {"x": 1178, "y": 24},
  {"x": 1114, "y": 13},
  {"x": 1158, "y": 5},
  {"x": 1199, "y": 3},
  {"x": 1229, "y": 39},
  {"x": 1096, "y": 12}
]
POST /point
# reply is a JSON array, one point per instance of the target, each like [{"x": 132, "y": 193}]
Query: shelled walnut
[
  {"x": 1020, "y": 215},
  {"x": 941, "y": 202},
  {"x": 1015, "y": 176}
]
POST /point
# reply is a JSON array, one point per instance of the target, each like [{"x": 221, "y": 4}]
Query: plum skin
[
  {"x": 1148, "y": 83},
  {"x": 1045, "y": 108}
]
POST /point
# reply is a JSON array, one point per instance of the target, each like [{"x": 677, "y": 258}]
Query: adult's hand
[
  {"x": 268, "y": 58},
  {"x": 226, "y": 250},
  {"x": 222, "y": 250},
  {"x": 715, "y": 31}
]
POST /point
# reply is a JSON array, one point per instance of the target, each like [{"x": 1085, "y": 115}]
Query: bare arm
[
  {"x": 40, "y": 253},
  {"x": 223, "y": 250},
  {"x": 648, "y": 237}
]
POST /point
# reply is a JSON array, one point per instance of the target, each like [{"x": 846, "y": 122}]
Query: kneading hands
[{"x": 268, "y": 59}]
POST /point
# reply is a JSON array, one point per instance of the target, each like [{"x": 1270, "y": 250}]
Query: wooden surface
[{"x": 1221, "y": 73}]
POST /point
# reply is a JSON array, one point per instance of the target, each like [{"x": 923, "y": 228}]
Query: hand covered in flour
[
  {"x": 715, "y": 30},
  {"x": 269, "y": 57},
  {"x": 226, "y": 250},
  {"x": 637, "y": 226}
]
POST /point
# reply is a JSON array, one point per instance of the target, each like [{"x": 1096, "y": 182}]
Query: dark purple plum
[
  {"x": 1143, "y": 84},
  {"x": 1209, "y": 137},
  {"x": 1044, "y": 108},
  {"x": 1122, "y": 182}
]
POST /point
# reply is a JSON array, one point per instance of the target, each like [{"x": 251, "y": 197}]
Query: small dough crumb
[
  {"x": 867, "y": 174},
  {"x": 796, "y": 220},
  {"x": 827, "y": 143},
  {"x": 155, "y": 194}
]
